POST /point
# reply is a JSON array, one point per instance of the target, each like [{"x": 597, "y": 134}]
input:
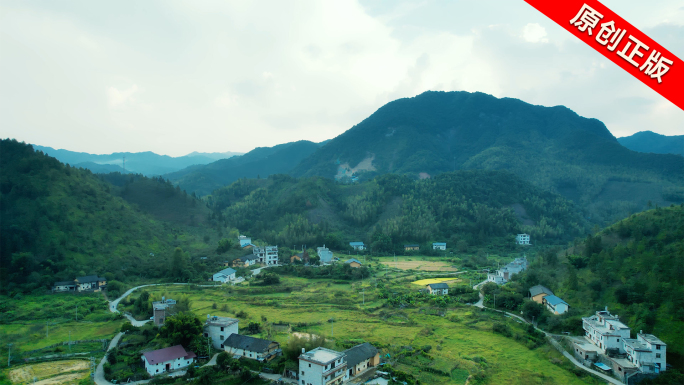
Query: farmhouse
[
  {"x": 252, "y": 348},
  {"x": 324, "y": 254},
  {"x": 438, "y": 288},
  {"x": 64, "y": 286},
  {"x": 504, "y": 274},
  {"x": 302, "y": 257},
  {"x": 647, "y": 352},
  {"x": 522, "y": 239},
  {"x": 244, "y": 241},
  {"x": 162, "y": 309},
  {"x": 167, "y": 359},
  {"x": 411, "y": 247},
  {"x": 605, "y": 331},
  {"x": 361, "y": 357},
  {"x": 357, "y": 245},
  {"x": 584, "y": 350},
  {"x": 219, "y": 328},
  {"x": 266, "y": 255},
  {"x": 439, "y": 246},
  {"x": 90, "y": 282},
  {"x": 323, "y": 366},
  {"x": 225, "y": 275},
  {"x": 353, "y": 262},
  {"x": 245, "y": 261},
  {"x": 538, "y": 292},
  {"x": 555, "y": 305}
]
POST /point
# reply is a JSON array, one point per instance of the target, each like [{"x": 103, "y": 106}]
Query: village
[{"x": 606, "y": 348}]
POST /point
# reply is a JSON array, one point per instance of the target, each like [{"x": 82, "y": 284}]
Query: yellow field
[
  {"x": 26, "y": 373},
  {"x": 420, "y": 265},
  {"x": 424, "y": 282}
]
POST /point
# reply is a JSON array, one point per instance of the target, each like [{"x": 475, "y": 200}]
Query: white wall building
[
  {"x": 505, "y": 273},
  {"x": 225, "y": 275},
  {"x": 605, "y": 331},
  {"x": 267, "y": 255},
  {"x": 259, "y": 349},
  {"x": 522, "y": 239},
  {"x": 219, "y": 329},
  {"x": 167, "y": 359},
  {"x": 322, "y": 366},
  {"x": 555, "y": 305},
  {"x": 357, "y": 245},
  {"x": 324, "y": 254},
  {"x": 439, "y": 246},
  {"x": 647, "y": 352},
  {"x": 244, "y": 241}
]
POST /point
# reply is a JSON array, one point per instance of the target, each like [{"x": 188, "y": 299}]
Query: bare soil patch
[
  {"x": 421, "y": 265},
  {"x": 47, "y": 369}
]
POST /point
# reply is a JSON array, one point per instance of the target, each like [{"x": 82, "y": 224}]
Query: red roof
[{"x": 167, "y": 354}]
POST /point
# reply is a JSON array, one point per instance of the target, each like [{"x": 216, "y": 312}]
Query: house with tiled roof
[
  {"x": 353, "y": 262},
  {"x": 555, "y": 305},
  {"x": 361, "y": 357},
  {"x": 225, "y": 275},
  {"x": 538, "y": 292},
  {"x": 167, "y": 359},
  {"x": 438, "y": 288},
  {"x": 250, "y": 347}
]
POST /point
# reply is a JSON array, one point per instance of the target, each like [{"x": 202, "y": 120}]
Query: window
[
  {"x": 657, "y": 355},
  {"x": 222, "y": 337},
  {"x": 657, "y": 347},
  {"x": 221, "y": 328},
  {"x": 303, "y": 383},
  {"x": 302, "y": 372},
  {"x": 309, "y": 365}
]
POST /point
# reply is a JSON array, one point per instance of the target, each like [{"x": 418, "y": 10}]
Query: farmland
[{"x": 49, "y": 373}]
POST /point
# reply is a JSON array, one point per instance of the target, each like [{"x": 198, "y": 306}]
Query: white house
[
  {"x": 64, "y": 286},
  {"x": 522, "y": 239},
  {"x": 658, "y": 352},
  {"x": 324, "y": 254},
  {"x": 219, "y": 328},
  {"x": 225, "y": 275},
  {"x": 438, "y": 288},
  {"x": 244, "y": 241},
  {"x": 505, "y": 273},
  {"x": 253, "y": 348},
  {"x": 90, "y": 282},
  {"x": 267, "y": 255},
  {"x": 555, "y": 305},
  {"x": 605, "y": 331},
  {"x": 439, "y": 246},
  {"x": 322, "y": 366},
  {"x": 167, "y": 359},
  {"x": 357, "y": 245}
]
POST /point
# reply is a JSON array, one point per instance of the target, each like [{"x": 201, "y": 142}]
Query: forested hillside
[
  {"x": 260, "y": 162},
  {"x": 465, "y": 207},
  {"x": 635, "y": 267},
  {"x": 59, "y": 222},
  {"x": 552, "y": 147},
  {"x": 649, "y": 141}
]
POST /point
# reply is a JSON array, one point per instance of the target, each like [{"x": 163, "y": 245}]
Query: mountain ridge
[{"x": 651, "y": 142}]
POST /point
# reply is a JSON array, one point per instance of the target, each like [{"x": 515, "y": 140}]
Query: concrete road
[
  {"x": 114, "y": 304},
  {"x": 99, "y": 372}
]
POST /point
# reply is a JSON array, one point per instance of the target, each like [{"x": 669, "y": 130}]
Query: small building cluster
[
  {"x": 412, "y": 247},
  {"x": 545, "y": 296},
  {"x": 86, "y": 283},
  {"x": 613, "y": 347},
  {"x": 505, "y": 273},
  {"x": 162, "y": 309},
  {"x": 323, "y": 366},
  {"x": 522, "y": 239},
  {"x": 245, "y": 261}
]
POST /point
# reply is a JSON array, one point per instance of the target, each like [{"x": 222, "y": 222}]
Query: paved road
[
  {"x": 99, "y": 372},
  {"x": 114, "y": 304}
]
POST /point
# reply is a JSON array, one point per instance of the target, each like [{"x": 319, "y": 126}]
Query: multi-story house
[
  {"x": 266, "y": 255},
  {"x": 522, "y": 239},
  {"x": 162, "y": 309},
  {"x": 322, "y": 366},
  {"x": 219, "y": 329},
  {"x": 324, "y": 254},
  {"x": 605, "y": 331},
  {"x": 505, "y": 273}
]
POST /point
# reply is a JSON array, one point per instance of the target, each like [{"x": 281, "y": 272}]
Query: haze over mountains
[{"x": 649, "y": 141}]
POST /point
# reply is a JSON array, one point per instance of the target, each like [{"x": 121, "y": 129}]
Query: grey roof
[
  {"x": 412, "y": 245},
  {"x": 360, "y": 353},
  {"x": 439, "y": 243},
  {"x": 248, "y": 343},
  {"x": 353, "y": 260},
  {"x": 226, "y": 272},
  {"x": 248, "y": 257},
  {"x": 553, "y": 300},
  {"x": 89, "y": 278},
  {"x": 220, "y": 321},
  {"x": 539, "y": 289},
  {"x": 64, "y": 283},
  {"x": 167, "y": 354},
  {"x": 355, "y": 243},
  {"x": 636, "y": 344},
  {"x": 653, "y": 340},
  {"x": 438, "y": 285}
]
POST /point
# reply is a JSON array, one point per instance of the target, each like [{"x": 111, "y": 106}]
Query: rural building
[
  {"x": 438, "y": 288},
  {"x": 244, "y": 241},
  {"x": 605, "y": 331},
  {"x": 90, "y": 282},
  {"x": 522, "y": 239},
  {"x": 302, "y": 257},
  {"x": 360, "y": 358},
  {"x": 324, "y": 254},
  {"x": 621, "y": 367},
  {"x": 647, "y": 352},
  {"x": 357, "y": 245},
  {"x": 585, "y": 350},
  {"x": 412, "y": 247},
  {"x": 162, "y": 309},
  {"x": 251, "y": 347},
  {"x": 167, "y": 359},
  {"x": 538, "y": 292},
  {"x": 505, "y": 273},
  {"x": 322, "y": 366},
  {"x": 64, "y": 286},
  {"x": 555, "y": 305},
  {"x": 439, "y": 246},
  {"x": 245, "y": 261},
  {"x": 219, "y": 328},
  {"x": 225, "y": 275},
  {"x": 266, "y": 255},
  {"x": 353, "y": 262}
]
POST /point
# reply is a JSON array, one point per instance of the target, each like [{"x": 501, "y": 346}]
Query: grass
[{"x": 57, "y": 372}]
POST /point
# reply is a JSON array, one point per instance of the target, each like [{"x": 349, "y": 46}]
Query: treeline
[{"x": 475, "y": 207}]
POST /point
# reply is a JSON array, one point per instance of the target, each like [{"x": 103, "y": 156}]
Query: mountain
[
  {"x": 215, "y": 155},
  {"x": 464, "y": 208},
  {"x": 101, "y": 168},
  {"x": 649, "y": 141},
  {"x": 552, "y": 147},
  {"x": 59, "y": 222},
  {"x": 146, "y": 163},
  {"x": 260, "y": 162}
]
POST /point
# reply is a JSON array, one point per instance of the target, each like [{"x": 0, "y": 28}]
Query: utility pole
[
  {"x": 47, "y": 329},
  {"x": 9, "y": 354},
  {"x": 70, "y": 340},
  {"x": 363, "y": 292},
  {"x": 332, "y": 328},
  {"x": 76, "y": 313}
]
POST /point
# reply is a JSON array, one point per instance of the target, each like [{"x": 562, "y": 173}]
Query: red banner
[{"x": 620, "y": 42}]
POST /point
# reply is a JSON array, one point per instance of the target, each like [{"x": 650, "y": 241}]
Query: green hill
[
  {"x": 552, "y": 147},
  {"x": 649, "y": 141},
  {"x": 465, "y": 207},
  {"x": 260, "y": 162},
  {"x": 59, "y": 222}
]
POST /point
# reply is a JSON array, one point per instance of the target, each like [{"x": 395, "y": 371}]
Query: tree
[
  {"x": 181, "y": 328},
  {"x": 224, "y": 245},
  {"x": 178, "y": 264}
]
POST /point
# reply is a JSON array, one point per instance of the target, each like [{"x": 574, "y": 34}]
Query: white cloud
[
  {"x": 534, "y": 33},
  {"x": 119, "y": 97}
]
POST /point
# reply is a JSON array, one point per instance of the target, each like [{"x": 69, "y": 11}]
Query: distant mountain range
[
  {"x": 146, "y": 163},
  {"x": 649, "y": 141}
]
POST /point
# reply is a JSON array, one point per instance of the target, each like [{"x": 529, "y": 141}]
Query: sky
[{"x": 174, "y": 77}]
